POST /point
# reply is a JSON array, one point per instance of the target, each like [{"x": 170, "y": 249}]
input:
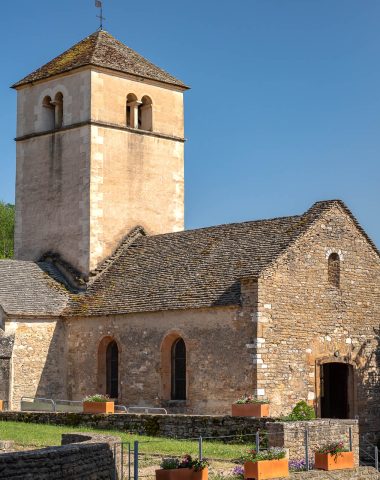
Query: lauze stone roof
[
  {"x": 101, "y": 49},
  {"x": 189, "y": 269}
]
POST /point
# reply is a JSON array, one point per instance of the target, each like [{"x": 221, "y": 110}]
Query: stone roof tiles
[
  {"x": 101, "y": 49},
  {"x": 182, "y": 270},
  {"x": 28, "y": 288}
]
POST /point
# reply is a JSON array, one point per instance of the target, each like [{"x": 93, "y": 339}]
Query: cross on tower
[{"x": 99, "y": 4}]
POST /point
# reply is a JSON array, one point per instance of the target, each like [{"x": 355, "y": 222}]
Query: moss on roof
[{"x": 103, "y": 50}]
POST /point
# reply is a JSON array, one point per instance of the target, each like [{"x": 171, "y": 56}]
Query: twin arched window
[
  {"x": 139, "y": 113},
  {"x": 52, "y": 112},
  {"x": 334, "y": 270}
]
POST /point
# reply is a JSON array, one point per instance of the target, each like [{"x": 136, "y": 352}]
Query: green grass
[{"x": 38, "y": 435}]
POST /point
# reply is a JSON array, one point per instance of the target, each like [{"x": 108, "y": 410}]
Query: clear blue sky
[{"x": 285, "y": 102}]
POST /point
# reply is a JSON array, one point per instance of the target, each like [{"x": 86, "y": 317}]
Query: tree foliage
[{"x": 7, "y": 226}]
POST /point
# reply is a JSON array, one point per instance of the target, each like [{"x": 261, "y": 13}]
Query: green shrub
[
  {"x": 301, "y": 412},
  {"x": 98, "y": 397}
]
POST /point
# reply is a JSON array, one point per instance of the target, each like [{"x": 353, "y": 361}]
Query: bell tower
[{"x": 100, "y": 149}]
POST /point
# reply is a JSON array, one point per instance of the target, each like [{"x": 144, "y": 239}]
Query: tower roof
[{"x": 101, "y": 49}]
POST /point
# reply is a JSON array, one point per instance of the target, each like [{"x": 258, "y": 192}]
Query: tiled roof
[
  {"x": 101, "y": 49},
  {"x": 29, "y": 288},
  {"x": 193, "y": 268},
  {"x": 182, "y": 270}
]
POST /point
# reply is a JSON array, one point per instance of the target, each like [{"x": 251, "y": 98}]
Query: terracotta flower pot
[
  {"x": 327, "y": 461},
  {"x": 1, "y": 405},
  {"x": 267, "y": 469},
  {"x": 98, "y": 407},
  {"x": 174, "y": 474},
  {"x": 250, "y": 410},
  {"x": 200, "y": 474}
]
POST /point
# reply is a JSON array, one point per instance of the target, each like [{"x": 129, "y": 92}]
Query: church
[{"x": 109, "y": 294}]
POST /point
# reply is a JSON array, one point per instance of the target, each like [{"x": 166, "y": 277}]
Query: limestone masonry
[{"x": 109, "y": 294}]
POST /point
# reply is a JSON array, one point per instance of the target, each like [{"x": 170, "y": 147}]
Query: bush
[
  {"x": 97, "y": 398},
  {"x": 301, "y": 412},
  {"x": 273, "y": 453}
]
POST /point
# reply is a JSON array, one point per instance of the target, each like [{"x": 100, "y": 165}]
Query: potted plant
[
  {"x": 98, "y": 404},
  {"x": 250, "y": 406},
  {"x": 333, "y": 456},
  {"x": 174, "y": 469},
  {"x": 266, "y": 464},
  {"x": 1, "y": 405},
  {"x": 200, "y": 469}
]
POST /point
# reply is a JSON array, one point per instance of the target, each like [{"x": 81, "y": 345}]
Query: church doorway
[
  {"x": 336, "y": 390},
  {"x": 112, "y": 370}
]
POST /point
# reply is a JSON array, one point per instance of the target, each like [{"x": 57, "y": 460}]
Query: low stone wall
[
  {"x": 91, "y": 459},
  {"x": 361, "y": 473},
  {"x": 291, "y": 435},
  {"x": 174, "y": 426}
]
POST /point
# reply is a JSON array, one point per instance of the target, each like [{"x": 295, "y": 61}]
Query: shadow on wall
[
  {"x": 51, "y": 362},
  {"x": 369, "y": 391}
]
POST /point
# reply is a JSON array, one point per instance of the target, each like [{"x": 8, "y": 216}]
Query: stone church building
[{"x": 108, "y": 293}]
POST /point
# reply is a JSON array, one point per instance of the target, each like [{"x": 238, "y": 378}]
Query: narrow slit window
[{"x": 334, "y": 270}]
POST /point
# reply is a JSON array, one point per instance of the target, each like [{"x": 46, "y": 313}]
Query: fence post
[
  {"x": 350, "y": 437},
  {"x": 136, "y": 460},
  {"x": 200, "y": 445},
  {"x": 258, "y": 441},
  {"x": 377, "y": 459},
  {"x": 307, "y": 448}
]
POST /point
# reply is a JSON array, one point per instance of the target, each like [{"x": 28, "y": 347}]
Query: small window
[
  {"x": 131, "y": 111},
  {"x": 334, "y": 270},
  {"x": 145, "y": 114},
  {"x": 58, "y": 102},
  {"x": 178, "y": 370},
  {"x": 48, "y": 114}
]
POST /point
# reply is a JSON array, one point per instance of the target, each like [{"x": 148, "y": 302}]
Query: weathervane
[{"x": 99, "y": 4}]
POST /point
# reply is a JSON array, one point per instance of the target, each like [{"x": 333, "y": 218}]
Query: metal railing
[
  {"x": 37, "y": 404},
  {"x": 137, "y": 409}
]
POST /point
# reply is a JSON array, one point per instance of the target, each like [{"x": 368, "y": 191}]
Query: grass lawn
[{"x": 36, "y": 435}]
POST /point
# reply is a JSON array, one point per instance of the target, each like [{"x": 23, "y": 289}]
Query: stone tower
[{"x": 100, "y": 149}]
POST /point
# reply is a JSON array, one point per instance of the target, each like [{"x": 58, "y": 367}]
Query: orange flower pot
[
  {"x": 200, "y": 474},
  {"x": 267, "y": 469},
  {"x": 174, "y": 474},
  {"x": 1, "y": 405},
  {"x": 327, "y": 461},
  {"x": 250, "y": 410},
  {"x": 98, "y": 407}
]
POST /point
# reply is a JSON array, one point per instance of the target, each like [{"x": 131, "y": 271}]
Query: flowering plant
[
  {"x": 299, "y": 465},
  {"x": 98, "y": 397},
  {"x": 249, "y": 399},
  {"x": 169, "y": 463},
  {"x": 186, "y": 462},
  {"x": 200, "y": 464},
  {"x": 273, "y": 453},
  {"x": 238, "y": 471},
  {"x": 334, "y": 448}
]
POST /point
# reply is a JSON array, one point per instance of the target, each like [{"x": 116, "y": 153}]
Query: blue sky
[{"x": 284, "y": 108}]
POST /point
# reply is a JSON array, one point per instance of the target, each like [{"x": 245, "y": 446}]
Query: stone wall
[
  {"x": 291, "y": 435},
  {"x": 175, "y": 426},
  {"x": 303, "y": 321},
  {"x": 211, "y": 389},
  {"x": 91, "y": 459}
]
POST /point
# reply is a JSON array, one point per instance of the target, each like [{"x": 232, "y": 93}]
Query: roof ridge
[{"x": 125, "y": 243}]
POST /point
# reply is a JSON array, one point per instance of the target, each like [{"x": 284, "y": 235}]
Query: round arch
[
  {"x": 108, "y": 367},
  {"x": 174, "y": 359}
]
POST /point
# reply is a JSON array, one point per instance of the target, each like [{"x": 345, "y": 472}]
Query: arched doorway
[
  {"x": 337, "y": 390},
  {"x": 178, "y": 387},
  {"x": 112, "y": 370}
]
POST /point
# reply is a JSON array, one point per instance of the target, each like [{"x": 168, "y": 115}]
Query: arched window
[
  {"x": 131, "y": 111},
  {"x": 48, "y": 114},
  {"x": 178, "y": 370},
  {"x": 112, "y": 370},
  {"x": 108, "y": 367},
  {"x": 334, "y": 270},
  {"x": 145, "y": 114},
  {"x": 58, "y": 102}
]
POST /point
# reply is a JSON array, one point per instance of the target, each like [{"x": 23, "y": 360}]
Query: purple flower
[{"x": 238, "y": 471}]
